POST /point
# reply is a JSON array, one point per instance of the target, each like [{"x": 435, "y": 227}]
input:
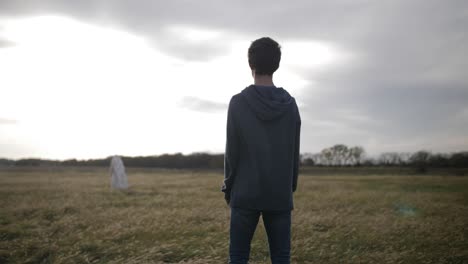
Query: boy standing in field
[{"x": 262, "y": 158}]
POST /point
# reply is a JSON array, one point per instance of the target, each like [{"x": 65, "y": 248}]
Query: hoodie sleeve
[
  {"x": 297, "y": 150},
  {"x": 231, "y": 154}
]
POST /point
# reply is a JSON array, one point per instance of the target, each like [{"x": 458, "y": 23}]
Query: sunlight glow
[
  {"x": 193, "y": 34},
  {"x": 78, "y": 90},
  {"x": 310, "y": 54}
]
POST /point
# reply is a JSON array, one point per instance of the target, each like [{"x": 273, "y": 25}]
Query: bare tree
[
  {"x": 339, "y": 154},
  {"x": 327, "y": 156},
  {"x": 357, "y": 154},
  {"x": 420, "y": 160}
]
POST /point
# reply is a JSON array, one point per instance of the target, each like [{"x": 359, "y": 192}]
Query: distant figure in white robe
[{"x": 118, "y": 175}]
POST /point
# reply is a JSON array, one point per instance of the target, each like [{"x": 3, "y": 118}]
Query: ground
[{"x": 175, "y": 216}]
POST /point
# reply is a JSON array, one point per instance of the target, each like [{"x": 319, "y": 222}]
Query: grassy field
[{"x": 72, "y": 216}]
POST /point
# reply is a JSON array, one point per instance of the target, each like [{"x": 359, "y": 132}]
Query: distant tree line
[
  {"x": 177, "y": 160},
  {"x": 342, "y": 155},
  {"x": 337, "y": 155}
]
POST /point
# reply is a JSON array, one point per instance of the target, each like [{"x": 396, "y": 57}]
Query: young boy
[{"x": 262, "y": 158}]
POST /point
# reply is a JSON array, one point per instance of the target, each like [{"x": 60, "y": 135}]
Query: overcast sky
[{"x": 88, "y": 79}]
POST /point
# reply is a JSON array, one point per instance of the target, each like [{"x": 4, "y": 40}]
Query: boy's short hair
[{"x": 264, "y": 56}]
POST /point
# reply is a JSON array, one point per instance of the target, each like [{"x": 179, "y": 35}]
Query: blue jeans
[{"x": 242, "y": 227}]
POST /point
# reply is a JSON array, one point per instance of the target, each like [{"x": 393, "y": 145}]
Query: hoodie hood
[{"x": 268, "y": 102}]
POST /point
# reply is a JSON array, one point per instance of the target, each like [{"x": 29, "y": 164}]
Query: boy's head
[{"x": 264, "y": 56}]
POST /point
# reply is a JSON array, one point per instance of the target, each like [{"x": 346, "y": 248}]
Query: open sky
[{"x": 93, "y": 78}]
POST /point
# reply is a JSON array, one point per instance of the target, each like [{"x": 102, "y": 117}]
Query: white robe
[{"x": 118, "y": 175}]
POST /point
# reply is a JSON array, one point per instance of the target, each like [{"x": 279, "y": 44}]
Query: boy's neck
[{"x": 264, "y": 80}]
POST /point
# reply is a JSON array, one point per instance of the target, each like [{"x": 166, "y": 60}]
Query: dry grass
[{"x": 71, "y": 216}]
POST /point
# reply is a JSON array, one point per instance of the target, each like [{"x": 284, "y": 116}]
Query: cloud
[
  {"x": 201, "y": 105},
  {"x": 4, "y": 43},
  {"x": 4, "y": 121},
  {"x": 406, "y": 81},
  {"x": 191, "y": 44}
]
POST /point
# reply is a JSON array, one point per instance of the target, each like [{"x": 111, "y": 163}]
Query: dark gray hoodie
[{"x": 262, "y": 149}]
